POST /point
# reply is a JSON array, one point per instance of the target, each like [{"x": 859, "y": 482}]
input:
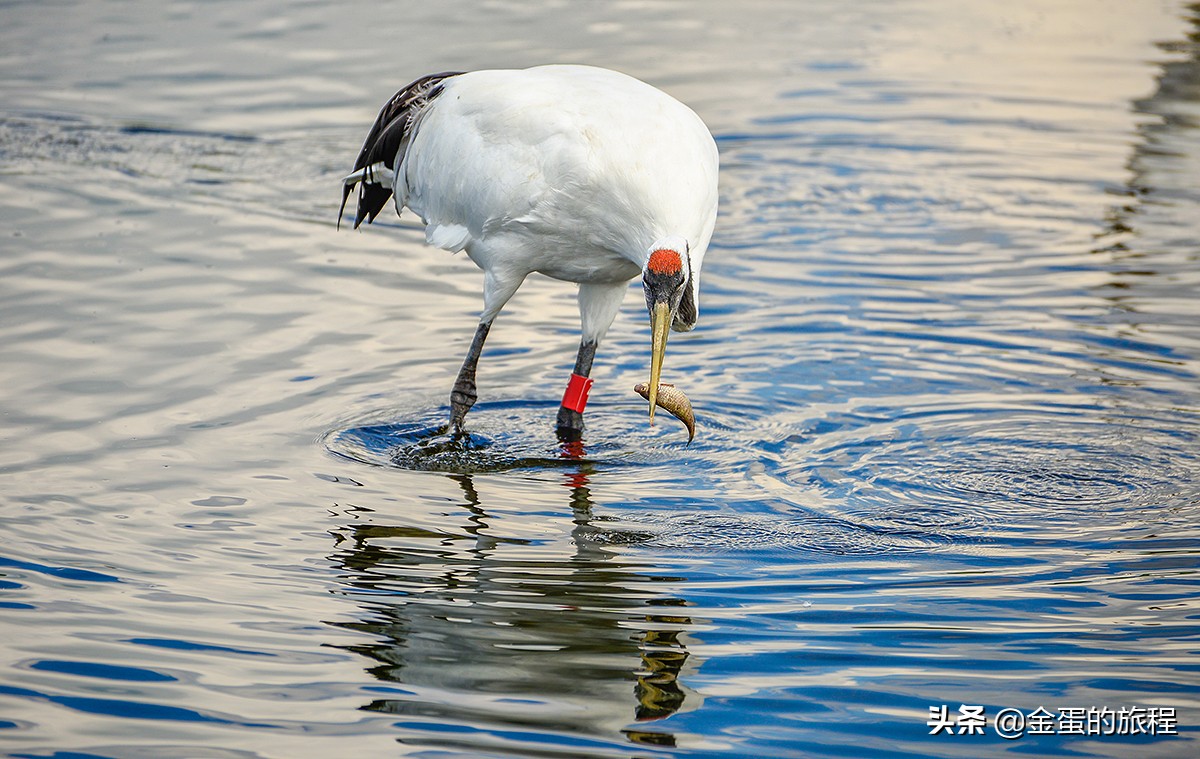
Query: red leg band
[{"x": 577, "y": 393}]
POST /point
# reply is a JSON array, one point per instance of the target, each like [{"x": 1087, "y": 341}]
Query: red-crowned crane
[{"x": 580, "y": 173}]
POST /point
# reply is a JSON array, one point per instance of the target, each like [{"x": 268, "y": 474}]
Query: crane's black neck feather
[{"x": 686, "y": 315}]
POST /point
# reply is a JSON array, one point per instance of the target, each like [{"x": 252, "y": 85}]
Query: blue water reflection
[{"x": 947, "y": 383}]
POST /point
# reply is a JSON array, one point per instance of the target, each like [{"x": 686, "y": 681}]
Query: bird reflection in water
[{"x": 515, "y": 636}]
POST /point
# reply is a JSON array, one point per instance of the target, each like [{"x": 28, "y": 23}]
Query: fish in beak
[{"x": 673, "y": 400}]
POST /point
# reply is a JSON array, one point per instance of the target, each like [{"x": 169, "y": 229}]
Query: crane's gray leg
[
  {"x": 570, "y": 413},
  {"x": 463, "y": 396}
]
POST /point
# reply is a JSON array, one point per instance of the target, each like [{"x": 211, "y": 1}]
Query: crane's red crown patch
[{"x": 664, "y": 261}]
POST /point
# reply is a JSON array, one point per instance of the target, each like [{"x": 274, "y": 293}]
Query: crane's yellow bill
[{"x": 660, "y": 327}]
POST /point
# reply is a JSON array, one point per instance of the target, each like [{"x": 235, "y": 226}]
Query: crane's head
[{"x": 670, "y": 299}]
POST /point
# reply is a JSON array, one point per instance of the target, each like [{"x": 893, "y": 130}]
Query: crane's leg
[
  {"x": 463, "y": 396},
  {"x": 498, "y": 287},
  {"x": 570, "y": 413},
  {"x": 598, "y": 306}
]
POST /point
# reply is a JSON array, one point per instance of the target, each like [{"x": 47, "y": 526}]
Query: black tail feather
[
  {"x": 342, "y": 208},
  {"x": 388, "y": 138}
]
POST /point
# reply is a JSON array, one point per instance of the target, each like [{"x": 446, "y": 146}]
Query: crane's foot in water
[{"x": 569, "y": 426}]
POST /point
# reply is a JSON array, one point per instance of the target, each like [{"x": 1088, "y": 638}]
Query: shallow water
[{"x": 947, "y": 381}]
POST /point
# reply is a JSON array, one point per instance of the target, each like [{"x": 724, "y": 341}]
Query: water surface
[{"x": 947, "y": 380}]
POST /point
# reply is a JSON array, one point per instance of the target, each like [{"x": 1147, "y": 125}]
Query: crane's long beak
[{"x": 660, "y": 327}]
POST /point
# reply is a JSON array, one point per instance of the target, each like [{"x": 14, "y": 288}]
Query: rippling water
[{"x": 947, "y": 380}]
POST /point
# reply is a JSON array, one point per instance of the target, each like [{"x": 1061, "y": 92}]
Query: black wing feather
[{"x": 392, "y": 128}]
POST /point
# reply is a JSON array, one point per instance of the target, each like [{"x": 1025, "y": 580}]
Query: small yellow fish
[{"x": 673, "y": 400}]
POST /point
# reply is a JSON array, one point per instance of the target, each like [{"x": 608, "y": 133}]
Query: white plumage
[{"x": 576, "y": 172}]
